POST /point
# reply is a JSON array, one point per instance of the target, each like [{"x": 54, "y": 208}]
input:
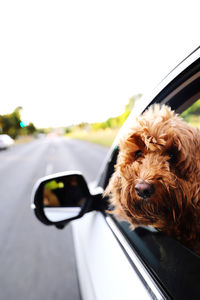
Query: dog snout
[{"x": 144, "y": 189}]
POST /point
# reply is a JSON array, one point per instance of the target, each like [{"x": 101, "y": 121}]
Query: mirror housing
[{"x": 63, "y": 197}]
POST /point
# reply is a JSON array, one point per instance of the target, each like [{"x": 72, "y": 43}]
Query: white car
[
  {"x": 113, "y": 262},
  {"x": 5, "y": 141}
]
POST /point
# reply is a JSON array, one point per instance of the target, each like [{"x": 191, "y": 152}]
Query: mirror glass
[{"x": 63, "y": 197}]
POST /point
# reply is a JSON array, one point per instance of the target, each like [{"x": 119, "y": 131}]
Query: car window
[
  {"x": 171, "y": 264},
  {"x": 174, "y": 268}
]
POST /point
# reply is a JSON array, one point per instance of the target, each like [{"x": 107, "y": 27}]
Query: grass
[
  {"x": 193, "y": 120},
  {"x": 23, "y": 139},
  {"x": 104, "y": 137}
]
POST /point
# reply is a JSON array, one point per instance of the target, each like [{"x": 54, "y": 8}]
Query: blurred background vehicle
[{"x": 5, "y": 141}]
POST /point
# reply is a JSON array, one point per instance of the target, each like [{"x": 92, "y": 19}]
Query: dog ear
[
  {"x": 113, "y": 189},
  {"x": 129, "y": 146},
  {"x": 188, "y": 152},
  {"x": 114, "y": 192}
]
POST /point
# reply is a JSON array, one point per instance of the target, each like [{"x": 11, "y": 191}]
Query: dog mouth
[
  {"x": 147, "y": 202},
  {"x": 142, "y": 203},
  {"x": 145, "y": 212},
  {"x": 144, "y": 198}
]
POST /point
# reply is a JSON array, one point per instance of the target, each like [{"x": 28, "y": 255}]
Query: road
[{"x": 36, "y": 261}]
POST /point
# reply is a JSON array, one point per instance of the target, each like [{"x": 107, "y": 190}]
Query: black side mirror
[{"x": 60, "y": 198}]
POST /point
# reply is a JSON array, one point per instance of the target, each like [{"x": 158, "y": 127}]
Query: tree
[
  {"x": 10, "y": 124},
  {"x": 31, "y": 128}
]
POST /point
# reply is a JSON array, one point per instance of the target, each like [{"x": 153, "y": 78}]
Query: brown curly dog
[{"x": 157, "y": 176}]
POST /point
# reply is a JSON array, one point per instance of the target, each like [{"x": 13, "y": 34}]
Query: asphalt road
[{"x": 36, "y": 261}]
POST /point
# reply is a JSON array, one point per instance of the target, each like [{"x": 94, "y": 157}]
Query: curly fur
[{"x": 163, "y": 151}]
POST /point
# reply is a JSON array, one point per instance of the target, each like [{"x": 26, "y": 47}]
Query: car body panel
[{"x": 102, "y": 262}]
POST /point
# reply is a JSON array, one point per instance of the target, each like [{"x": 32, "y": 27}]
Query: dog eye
[
  {"x": 172, "y": 157},
  {"x": 138, "y": 154}
]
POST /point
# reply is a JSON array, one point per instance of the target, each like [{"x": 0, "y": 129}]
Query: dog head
[{"x": 156, "y": 178}]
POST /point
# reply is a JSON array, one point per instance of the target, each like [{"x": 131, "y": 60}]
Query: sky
[{"x": 72, "y": 61}]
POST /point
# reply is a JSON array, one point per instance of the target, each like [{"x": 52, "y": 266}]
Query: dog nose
[{"x": 144, "y": 189}]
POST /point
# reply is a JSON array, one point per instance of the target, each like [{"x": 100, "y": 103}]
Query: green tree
[
  {"x": 31, "y": 128},
  {"x": 10, "y": 124}
]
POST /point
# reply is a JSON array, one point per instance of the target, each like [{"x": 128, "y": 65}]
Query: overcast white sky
[{"x": 67, "y": 61}]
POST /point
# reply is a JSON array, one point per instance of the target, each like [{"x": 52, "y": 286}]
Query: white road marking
[{"x": 49, "y": 169}]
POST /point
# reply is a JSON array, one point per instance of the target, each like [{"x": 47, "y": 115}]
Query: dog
[{"x": 156, "y": 180}]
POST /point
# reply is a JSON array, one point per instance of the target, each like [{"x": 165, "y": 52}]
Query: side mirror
[{"x": 60, "y": 198}]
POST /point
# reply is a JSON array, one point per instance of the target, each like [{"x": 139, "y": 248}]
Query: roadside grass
[
  {"x": 193, "y": 120},
  {"x": 24, "y": 139},
  {"x": 104, "y": 137}
]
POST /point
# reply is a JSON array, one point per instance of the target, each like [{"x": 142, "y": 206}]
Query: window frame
[{"x": 180, "y": 89}]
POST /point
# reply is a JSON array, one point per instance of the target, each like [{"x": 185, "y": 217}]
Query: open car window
[{"x": 173, "y": 267}]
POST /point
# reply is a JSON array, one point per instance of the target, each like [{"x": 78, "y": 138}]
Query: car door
[{"x": 114, "y": 262}]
